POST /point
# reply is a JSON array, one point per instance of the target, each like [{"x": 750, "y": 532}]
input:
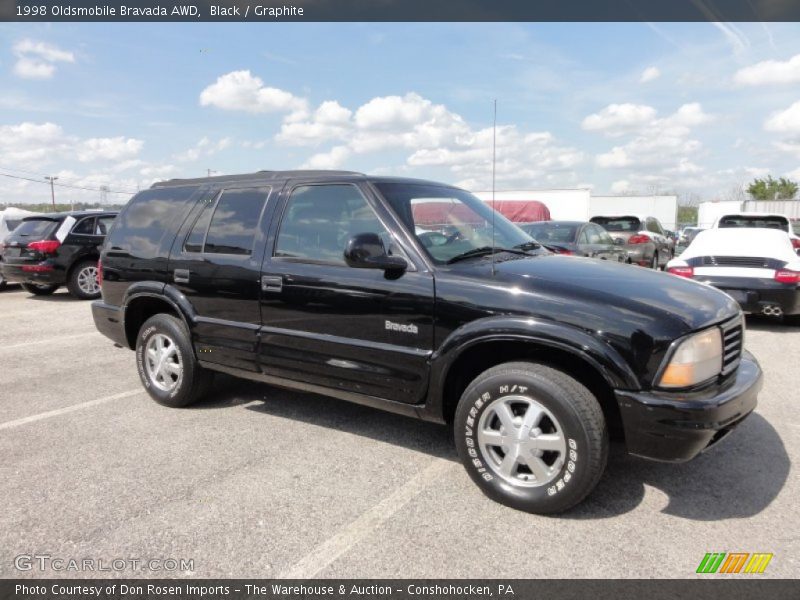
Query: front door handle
[
  {"x": 180, "y": 276},
  {"x": 271, "y": 283}
]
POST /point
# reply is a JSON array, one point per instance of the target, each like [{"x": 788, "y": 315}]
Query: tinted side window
[
  {"x": 319, "y": 219},
  {"x": 103, "y": 225},
  {"x": 602, "y": 235},
  {"x": 196, "y": 237},
  {"x": 591, "y": 233},
  {"x": 149, "y": 217},
  {"x": 84, "y": 226},
  {"x": 235, "y": 221}
]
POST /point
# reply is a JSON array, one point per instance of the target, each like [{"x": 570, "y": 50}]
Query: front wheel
[
  {"x": 167, "y": 365},
  {"x": 38, "y": 289},
  {"x": 3, "y": 282},
  {"x": 531, "y": 437}
]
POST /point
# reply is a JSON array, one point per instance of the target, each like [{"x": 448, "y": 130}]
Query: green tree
[{"x": 772, "y": 189}]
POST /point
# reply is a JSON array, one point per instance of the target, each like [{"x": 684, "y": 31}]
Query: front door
[
  {"x": 216, "y": 264},
  {"x": 362, "y": 331}
]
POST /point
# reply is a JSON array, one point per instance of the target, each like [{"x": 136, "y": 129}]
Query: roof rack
[{"x": 258, "y": 175}]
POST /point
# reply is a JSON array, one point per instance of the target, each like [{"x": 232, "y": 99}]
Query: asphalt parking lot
[{"x": 261, "y": 482}]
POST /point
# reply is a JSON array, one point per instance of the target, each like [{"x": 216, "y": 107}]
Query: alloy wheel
[
  {"x": 163, "y": 362},
  {"x": 522, "y": 441}
]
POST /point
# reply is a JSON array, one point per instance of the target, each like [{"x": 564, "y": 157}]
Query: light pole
[{"x": 52, "y": 191}]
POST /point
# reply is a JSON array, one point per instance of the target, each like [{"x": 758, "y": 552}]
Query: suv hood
[{"x": 589, "y": 291}]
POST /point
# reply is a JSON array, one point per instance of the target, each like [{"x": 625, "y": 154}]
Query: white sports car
[{"x": 758, "y": 268}]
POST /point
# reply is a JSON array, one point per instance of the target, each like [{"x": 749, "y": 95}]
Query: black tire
[
  {"x": 654, "y": 263},
  {"x": 191, "y": 383},
  {"x": 573, "y": 412},
  {"x": 38, "y": 289},
  {"x": 82, "y": 280},
  {"x": 3, "y": 283}
]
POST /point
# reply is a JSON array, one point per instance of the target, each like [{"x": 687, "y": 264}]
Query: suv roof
[
  {"x": 257, "y": 175},
  {"x": 278, "y": 175}
]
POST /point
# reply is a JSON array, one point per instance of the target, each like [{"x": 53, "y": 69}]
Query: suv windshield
[
  {"x": 618, "y": 223},
  {"x": 766, "y": 222},
  {"x": 450, "y": 222},
  {"x": 38, "y": 228}
]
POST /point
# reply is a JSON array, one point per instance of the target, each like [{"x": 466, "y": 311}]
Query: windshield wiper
[
  {"x": 483, "y": 251},
  {"x": 528, "y": 246}
]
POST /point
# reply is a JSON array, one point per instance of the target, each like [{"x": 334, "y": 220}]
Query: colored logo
[{"x": 734, "y": 562}]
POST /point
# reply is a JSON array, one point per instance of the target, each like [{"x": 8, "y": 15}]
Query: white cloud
[
  {"x": 240, "y": 90},
  {"x": 621, "y": 186},
  {"x": 663, "y": 143},
  {"x": 116, "y": 148},
  {"x": 785, "y": 121},
  {"x": 770, "y": 72},
  {"x": 204, "y": 147},
  {"x": 618, "y": 119},
  {"x": 332, "y": 159},
  {"x": 31, "y": 142},
  {"x": 330, "y": 121},
  {"x": 650, "y": 74},
  {"x": 36, "y": 60}
]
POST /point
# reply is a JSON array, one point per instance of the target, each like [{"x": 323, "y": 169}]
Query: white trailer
[
  {"x": 709, "y": 212},
  {"x": 664, "y": 207},
  {"x": 789, "y": 208}
]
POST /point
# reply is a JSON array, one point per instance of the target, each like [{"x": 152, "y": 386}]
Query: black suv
[
  {"x": 49, "y": 250},
  {"x": 317, "y": 281}
]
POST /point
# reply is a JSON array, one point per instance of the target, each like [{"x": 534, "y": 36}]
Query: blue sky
[{"x": 698, "y": 109}]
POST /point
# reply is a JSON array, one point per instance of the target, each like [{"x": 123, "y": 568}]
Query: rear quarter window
[{"x": 149, "y": 218}]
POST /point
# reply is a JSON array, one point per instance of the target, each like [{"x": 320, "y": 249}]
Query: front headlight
[{"x": 697, "y": 359}]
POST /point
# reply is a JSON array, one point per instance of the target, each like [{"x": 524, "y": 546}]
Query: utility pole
[
  {"x": 52, "y": 191},
  {"x": 210, "y": 171}
]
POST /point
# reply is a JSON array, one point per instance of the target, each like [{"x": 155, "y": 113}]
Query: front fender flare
[{"x": 582, "y": 344}]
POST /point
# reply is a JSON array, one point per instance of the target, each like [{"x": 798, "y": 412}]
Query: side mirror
[{"x": 366, "y": 251}]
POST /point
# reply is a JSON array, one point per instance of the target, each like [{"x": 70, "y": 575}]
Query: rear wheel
[
  {"x": 82, "y": 282},
  {"x": 167, "y": 365},
  {"x": 39, "y": 289},
  {"x": 3, "y": 282},
  {"x": 654, "y": 262},
  {"x": 531, "y": 437}
]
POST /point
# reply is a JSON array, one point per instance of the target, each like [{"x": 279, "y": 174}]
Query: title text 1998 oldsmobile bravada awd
[{"x": 329, "y": 282}]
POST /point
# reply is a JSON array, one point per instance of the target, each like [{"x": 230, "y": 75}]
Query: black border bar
[
  {"x": 712, "y": 587},
  {"x": 400, "y": 10}
]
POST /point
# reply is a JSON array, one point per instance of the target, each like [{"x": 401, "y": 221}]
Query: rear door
[
  {"x": 215, "y": 263},
  {"x": 360, "y": 331}
]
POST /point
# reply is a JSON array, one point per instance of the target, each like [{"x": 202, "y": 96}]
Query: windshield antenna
[{"x": 494, "y": 163}]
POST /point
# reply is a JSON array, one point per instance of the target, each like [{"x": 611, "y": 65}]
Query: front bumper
[
  {"x": 676, "y": 427},
  {"x": 14, "y": 273},
  {"x": 755, "y": 294}
]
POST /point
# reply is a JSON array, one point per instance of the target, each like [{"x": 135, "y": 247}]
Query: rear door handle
[
  {"x": 180, "y": 276},
  {"x": 271, "y": 283}
]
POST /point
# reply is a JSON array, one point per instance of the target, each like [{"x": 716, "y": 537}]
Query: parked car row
[
  {"x": 753, "y": 257},
  {"x": 47, "y": 251}
]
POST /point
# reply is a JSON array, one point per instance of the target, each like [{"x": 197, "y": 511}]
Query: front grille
[
  {"x": 736, "y": 261},
  {"x": 732, "y": 344}
]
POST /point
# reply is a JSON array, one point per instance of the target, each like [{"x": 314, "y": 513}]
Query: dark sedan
[{"x": 580, "y": 238}]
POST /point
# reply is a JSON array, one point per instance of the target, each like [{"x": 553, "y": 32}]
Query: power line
[{"x": 67, "y": 185}]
